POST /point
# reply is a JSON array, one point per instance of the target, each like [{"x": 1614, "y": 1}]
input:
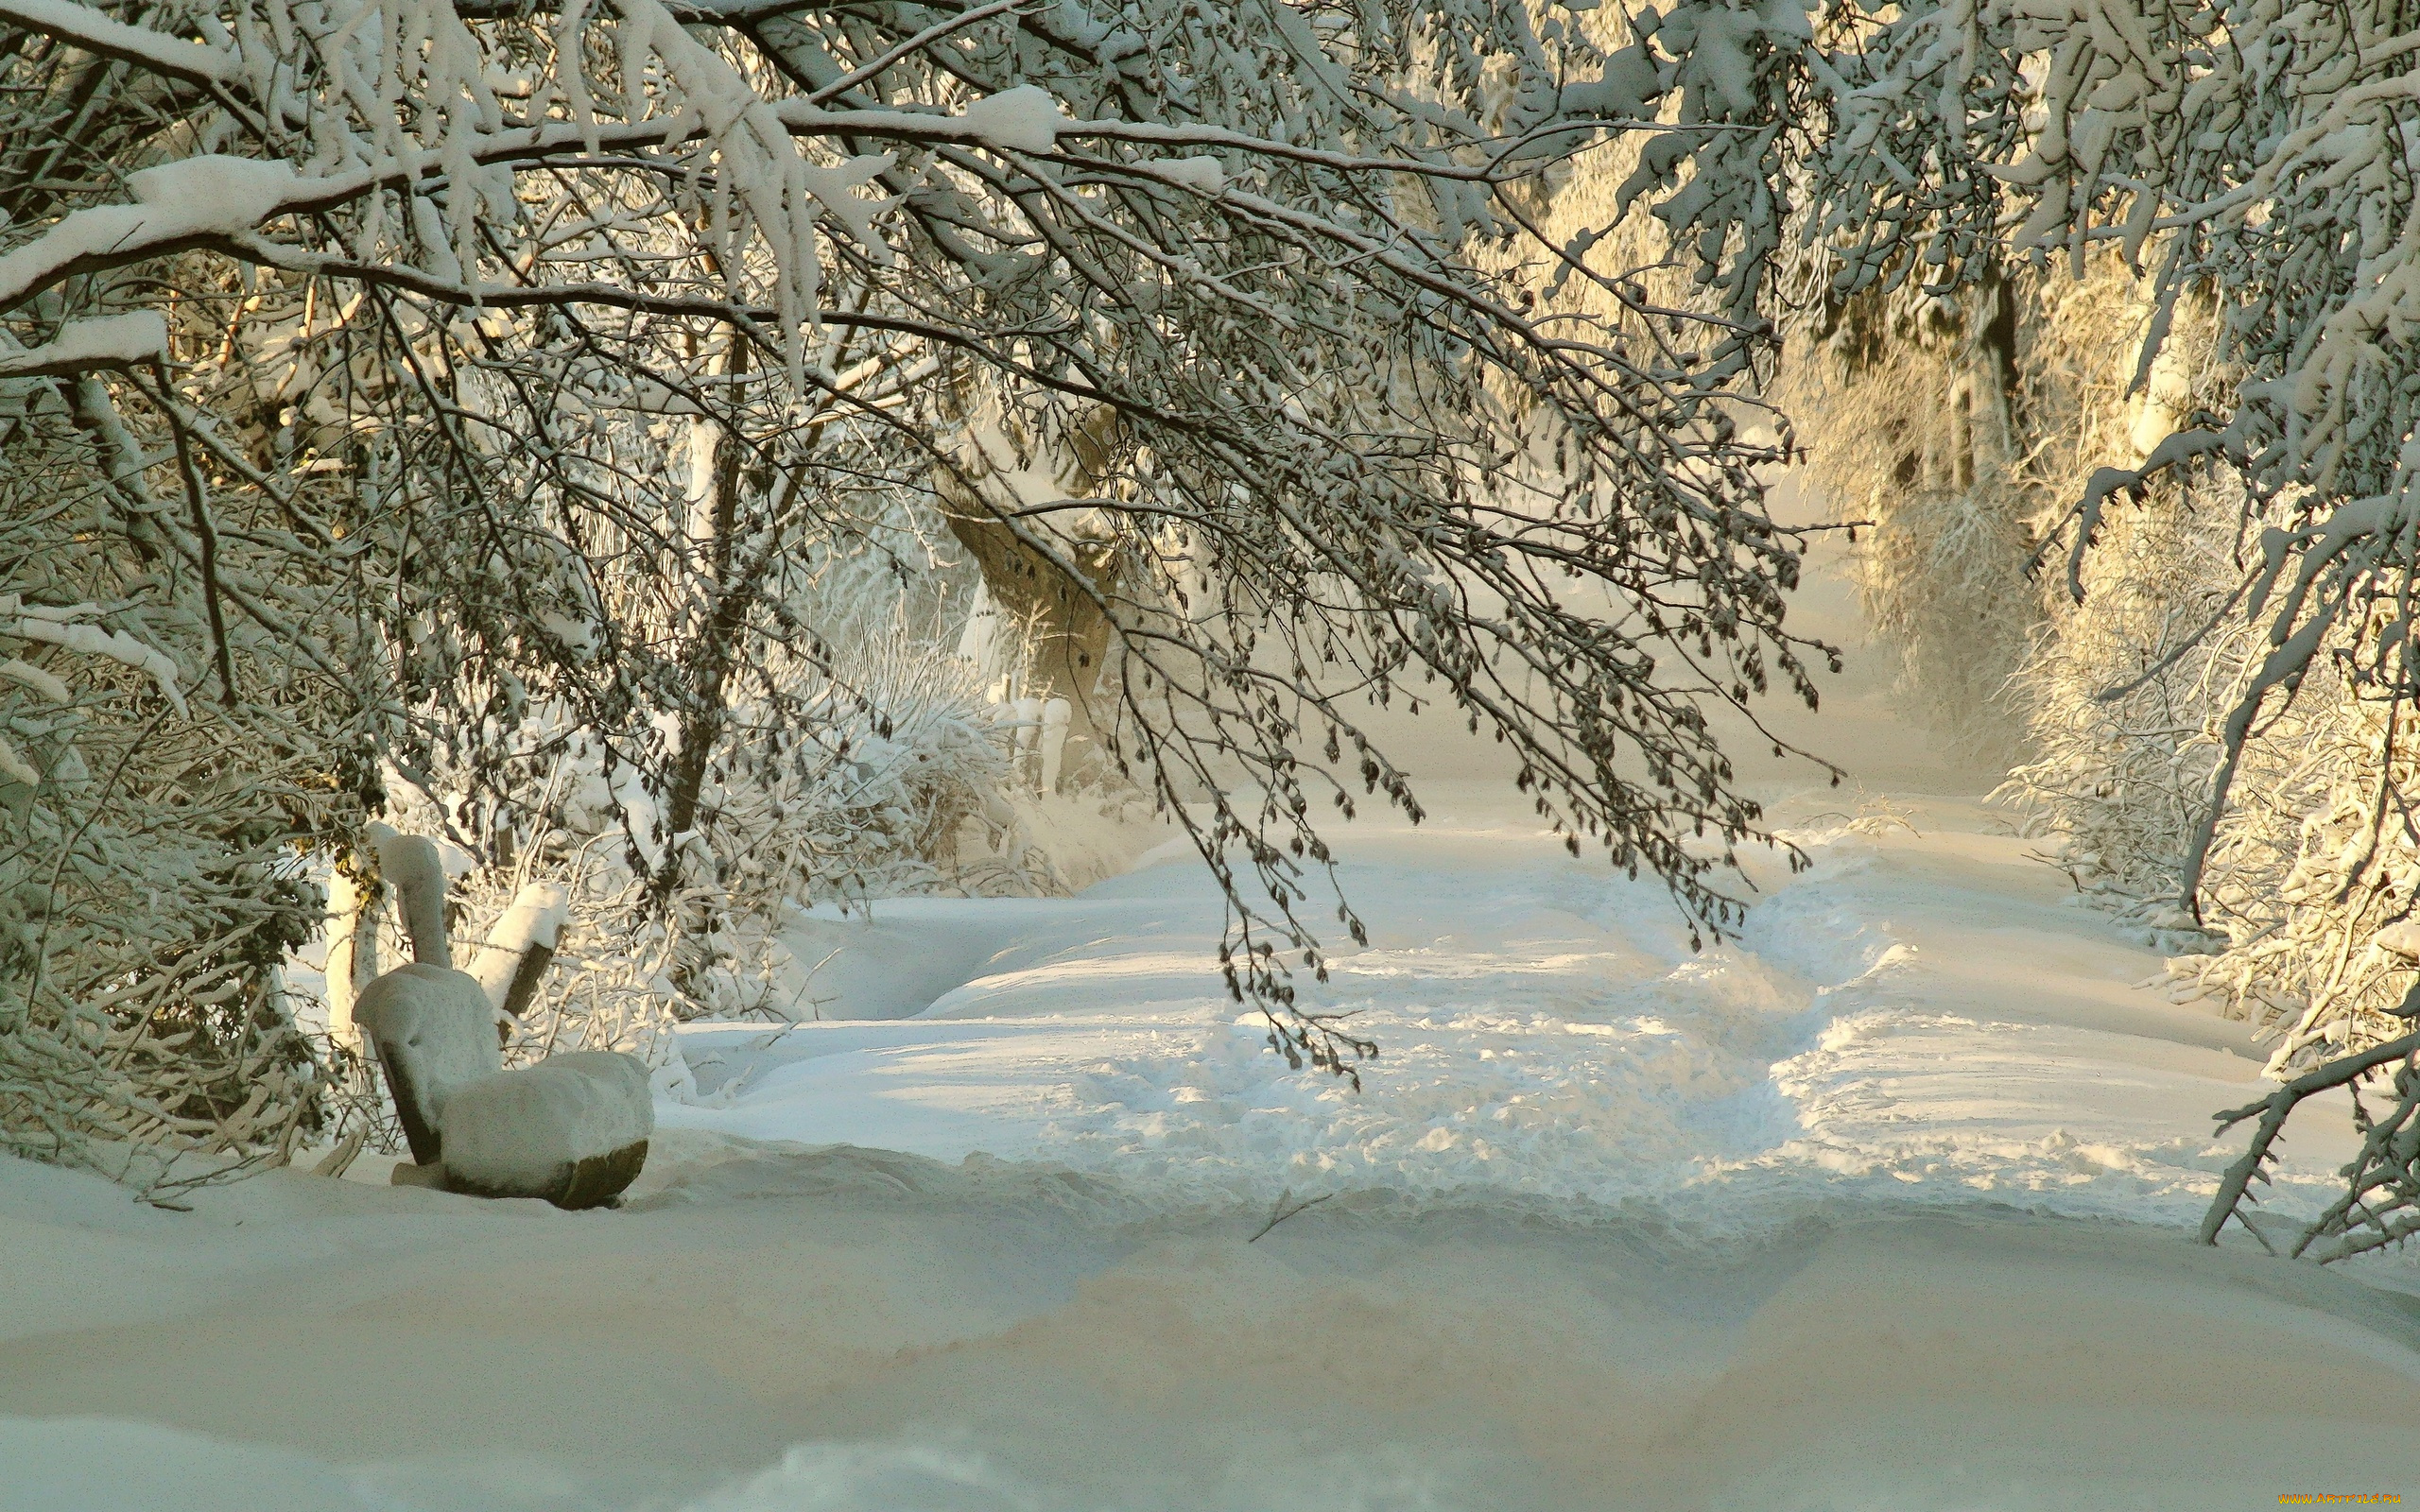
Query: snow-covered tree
[
  {"x": 2252, "y": 161},
  {"x": 2253, "y": 155},
  {"x": 1910, "y": 405},
  {"x": 517, "y": 368}
]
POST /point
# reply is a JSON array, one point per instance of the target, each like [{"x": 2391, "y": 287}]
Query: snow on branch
[
  {"x": 2382, "y": 1149},
  {"x": 62, "y": 628},
  {"x": 178, "y": 205},
  {"x": 28, "y": 675},
  {"x": 103, "y": 341},
  {"x": 105, "y": 35},
  {"x": 1024, "y": 119}
]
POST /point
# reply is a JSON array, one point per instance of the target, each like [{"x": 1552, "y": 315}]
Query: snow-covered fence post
[
  {"x": 353, "y": 951},
  {"x": 1028, "y": 713},
  {"x": 520, "y": 947}
]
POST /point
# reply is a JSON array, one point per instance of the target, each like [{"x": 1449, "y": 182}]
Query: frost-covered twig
[{"x": 2273, "y": 1112}]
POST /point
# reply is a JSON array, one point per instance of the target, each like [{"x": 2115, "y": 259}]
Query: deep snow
[
  {"x": 1919, "y": 1017},
  {"x": 1823, "y": 1218},
  {"x": 1883, "y": 1205}
]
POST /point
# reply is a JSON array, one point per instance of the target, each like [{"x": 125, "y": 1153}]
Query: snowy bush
[
  {"x": 2129, "y": 696},
  {"x": 869, "y": 792},
  {"x": 2249, "y": 158},
  {"x": 150, "y": 886},
  {"x": 2125, "y": 692}
]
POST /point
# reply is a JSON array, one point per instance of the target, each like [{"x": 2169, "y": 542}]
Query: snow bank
[
  {"x": 858, "y": 1330},
  {"x": 833, "y": 1477},
  {"x": 1919, "y": 1018},
  {"x": 1795, "y": 1224},
  {"x": 100, "y": 1465}
]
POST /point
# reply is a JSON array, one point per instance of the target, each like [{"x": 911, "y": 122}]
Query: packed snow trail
[
  {"x": 1822, "y": 1218},
  {"x": 1920, "y": 1016}
]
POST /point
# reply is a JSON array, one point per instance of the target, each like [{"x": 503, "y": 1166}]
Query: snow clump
[
  {"x": 1024, "y": 119},
  {"x": 1205, "y": 174}
]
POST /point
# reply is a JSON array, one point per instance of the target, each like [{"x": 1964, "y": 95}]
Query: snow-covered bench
[{"x": 572, "y": 1130}]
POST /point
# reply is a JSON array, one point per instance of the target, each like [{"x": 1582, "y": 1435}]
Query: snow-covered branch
[
  {"x": 105, "y": 35},
  {"x": 513, "y": 382}
]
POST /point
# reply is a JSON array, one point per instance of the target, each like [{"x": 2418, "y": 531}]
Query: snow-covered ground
[
  {"x": 1880, "y": 1207},
  {"x": 1918, "y": 1018}
]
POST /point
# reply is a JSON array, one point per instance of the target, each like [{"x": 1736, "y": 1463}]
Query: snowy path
[
  {"x": 1919, "y": 1017},
  {"x": 1815, "y": 1220}
]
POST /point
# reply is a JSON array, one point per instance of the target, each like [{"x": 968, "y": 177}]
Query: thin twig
[
  {"x": 206, "y": 532},
  {"x": 1279, "y": 1213}
]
